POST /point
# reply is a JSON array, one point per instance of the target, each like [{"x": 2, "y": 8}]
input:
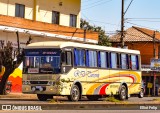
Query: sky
[{"x": 107, "y": 14}]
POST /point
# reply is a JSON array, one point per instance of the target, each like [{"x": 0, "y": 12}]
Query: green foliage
[
  {"x": 111, "y": 99},
  {"x": 6, "y": 54},
  {"x": 103, "y": 38},
  {"x": 156, "y": 99}
]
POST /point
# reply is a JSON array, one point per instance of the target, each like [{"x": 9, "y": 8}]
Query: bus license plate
[{"x": 38, "y": 87}]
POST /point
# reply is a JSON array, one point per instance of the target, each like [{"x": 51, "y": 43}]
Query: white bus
[{"x": 75, "y": 70}]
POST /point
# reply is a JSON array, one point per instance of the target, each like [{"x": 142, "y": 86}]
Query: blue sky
[{"x": 107, "y": 14}]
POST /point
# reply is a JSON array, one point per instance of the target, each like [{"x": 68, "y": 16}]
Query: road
[{"x": 65, "y": 100}]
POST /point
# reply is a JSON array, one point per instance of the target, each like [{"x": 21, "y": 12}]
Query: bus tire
[
  {"x": 74, "y": 94},
  {"x": 141, "y": 93},
  {"x": 42, "y": 97},
  {"x": 93, "y": 97},
  {"x": 123, "y": 93}
]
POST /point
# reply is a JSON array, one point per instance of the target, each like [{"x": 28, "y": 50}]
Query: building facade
[
  {"x": 41, "y": 20},
  {"x": 148, "y": 43}
]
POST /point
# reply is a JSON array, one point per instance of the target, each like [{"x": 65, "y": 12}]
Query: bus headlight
[{"x": 33, "y": 89}]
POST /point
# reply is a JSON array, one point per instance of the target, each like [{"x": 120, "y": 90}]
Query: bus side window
[
  {"x": 113, "y": 58},
  {"x": 124, "y": 61},
  {"x": 92, "y": 57},
  {"x": 102, "y": 61},
  {"x": 137, "y": 62},
  {"x": 79, "y": 57},
  {"x": 63, "y": 57},
  {"x": 68, "y": 58},
  {"x": 129, "y": 62},
  {"x": 108, "y": 61},
  {"x": 118, "y": 60}
]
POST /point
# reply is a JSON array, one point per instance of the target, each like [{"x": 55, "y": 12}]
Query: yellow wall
[
  {"x": 44, "y": 9},
  {"x": 7, "y": 7}
]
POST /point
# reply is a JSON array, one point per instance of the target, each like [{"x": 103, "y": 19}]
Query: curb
[{"x": 18, "y": 96}]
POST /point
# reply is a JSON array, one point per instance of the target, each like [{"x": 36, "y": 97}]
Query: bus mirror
[{"x": 63, "y": 57}]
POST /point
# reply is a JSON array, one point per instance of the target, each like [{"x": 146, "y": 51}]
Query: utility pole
[
  {"x": 154, "y": 56},
  {"x": 18, "y": 42},
  {"x": 154, "y": 45},
  {"x": 122, "y": 25}
]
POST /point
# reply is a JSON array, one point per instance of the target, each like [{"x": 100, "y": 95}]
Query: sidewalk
[{"x": 18, "y": 96}]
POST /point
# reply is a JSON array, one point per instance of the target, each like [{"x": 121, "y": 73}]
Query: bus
[{"x": 59, "y": 68}]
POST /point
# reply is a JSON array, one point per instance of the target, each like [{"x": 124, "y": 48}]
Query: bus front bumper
[{"x": 29, "y": 89}]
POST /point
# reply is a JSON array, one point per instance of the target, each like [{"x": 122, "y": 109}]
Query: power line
[
  {"x": 87, "y": 18},
  {"x": 128, "y": 7},
  {"x": 92, "y": 3},
  {"x": 86, "y": 1},
  {"x": 142, "y": 26},
  {"x": 143, "y": 18},
  {"x": 97, "y": 4},
  {"x": 104, "y": 22}
]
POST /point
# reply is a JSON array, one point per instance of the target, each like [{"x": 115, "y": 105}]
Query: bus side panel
[
  {"x": 105, "y": 81},
  {"x": 75, "y": 75},
  {"x": 93, "y": 84},
  {"x": 114, "y": 82},
  {"x": 135, "y": 80}
]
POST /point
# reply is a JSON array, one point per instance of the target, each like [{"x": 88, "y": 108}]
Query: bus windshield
[{"x": 42, "y": 61}]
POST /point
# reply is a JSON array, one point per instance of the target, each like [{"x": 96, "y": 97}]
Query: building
[
  {"x": 41, "y": 20},
  {"x": 144, "y": 40}
]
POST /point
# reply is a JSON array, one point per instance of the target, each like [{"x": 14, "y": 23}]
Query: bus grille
[
  {"x": 39, "y": 77},
  {"x": 39, "y": 82}
]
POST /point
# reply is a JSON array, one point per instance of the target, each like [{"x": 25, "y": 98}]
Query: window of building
[
  {"x": 79, "y": 57},
  {"x": 124, "y": 63},
  {"x": 102, "y": 59},
  {"x": 113, "y": 60},
  {"x": 91, "y": 58},
  {"x": 55, "y": 17},
  {"x": 20, "y": 10},
  {"x": 73, "y": 20}
]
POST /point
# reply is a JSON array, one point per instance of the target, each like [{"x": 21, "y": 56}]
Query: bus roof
[{"x": 63, "y": 44}]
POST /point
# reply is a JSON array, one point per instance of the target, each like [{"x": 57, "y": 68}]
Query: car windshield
[{"x": 42, "y": 61}]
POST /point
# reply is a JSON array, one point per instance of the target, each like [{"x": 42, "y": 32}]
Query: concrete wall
[{"x": 41, "y": 10}]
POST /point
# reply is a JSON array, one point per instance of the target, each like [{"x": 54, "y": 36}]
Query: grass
[
  {"x": 156, "y": 99},
  {"x": 55, "y": 101},
  {"x": 111, "y": 99}
]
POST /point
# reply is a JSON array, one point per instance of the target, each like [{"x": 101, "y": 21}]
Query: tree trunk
[{"x": 8, "y": 70}]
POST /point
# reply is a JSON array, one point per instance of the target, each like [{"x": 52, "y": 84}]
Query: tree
[
  {"x": 103, "y": 38},
  {"x": 7, "y": 61}
]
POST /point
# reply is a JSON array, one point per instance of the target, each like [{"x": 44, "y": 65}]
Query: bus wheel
[
  {"x": 93, "y": 97},
  {"x": 75, "y": 93},
  {"x": 42, "y": 97},
  {"x": 141, "y": 93},
  {"x": 123, "y": 93}
]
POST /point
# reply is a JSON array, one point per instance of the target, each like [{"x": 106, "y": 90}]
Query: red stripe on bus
[{"x": 102, "y": 90}]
